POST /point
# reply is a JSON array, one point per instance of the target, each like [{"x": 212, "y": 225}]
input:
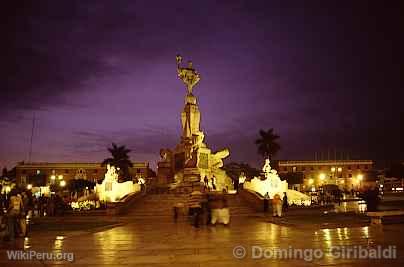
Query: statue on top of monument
[{"x": 188, "y": 75}]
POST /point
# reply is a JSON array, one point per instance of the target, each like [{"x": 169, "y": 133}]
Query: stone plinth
[
  {"x": 164, "y": 173},
  {"x": 191, "y": 175}
]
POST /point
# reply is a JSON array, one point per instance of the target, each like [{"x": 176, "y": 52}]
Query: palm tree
[
  {"x": 267, "y": 143},
  {"x": 120, "y": 159}
]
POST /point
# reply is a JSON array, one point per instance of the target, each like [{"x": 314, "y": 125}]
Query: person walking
[{"x": 195, "y": 207}]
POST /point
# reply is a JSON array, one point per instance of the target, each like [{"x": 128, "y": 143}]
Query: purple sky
[{"x": 96, "y": 72}]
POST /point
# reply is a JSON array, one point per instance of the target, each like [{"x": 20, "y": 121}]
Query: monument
[
  {"x": 186, "y": 166},
  {"x": 111, "y": 190},
  {"x": 272, "y": 185}
]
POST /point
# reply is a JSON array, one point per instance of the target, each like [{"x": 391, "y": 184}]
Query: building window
[
  {"x": 24, "y": 172},
  {"x": 95, "y": 171},
  {"x": 137, "y": 170},
  {"x": 358, "y": 167},
  {"x": 303, "y": 168},
  {"x": 312, "y": 168},
  {"x": 38, "y": 171},
  {"x": 66, "y": 171},
  {"x": 350, "y": 175},
  {"x": 366, "y": 167},
  {"x": 293, "y": 169}
]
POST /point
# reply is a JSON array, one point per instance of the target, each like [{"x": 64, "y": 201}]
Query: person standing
[
  {"x": 206, "y": 182},
  {"x": 14, "y": 210},
  {"x": 285, "y": 204},
  {"x": 266, "y": 202},
  {"x": 213, "y": 179},
  {"x": 277, "y": 206}
]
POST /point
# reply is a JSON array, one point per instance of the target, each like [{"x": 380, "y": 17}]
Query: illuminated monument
[
  {"x": 272, "y": 185},
  {"x": 191, "y": 160}
]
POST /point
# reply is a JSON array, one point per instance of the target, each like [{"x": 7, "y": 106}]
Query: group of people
[
  {"x": 279, "y": 205},
  {"x": 209, "y": 184},
  {"x": 19, "y": 205},
  {"x": 207, "y": 209},
  {"x": 14, "y": 209}
]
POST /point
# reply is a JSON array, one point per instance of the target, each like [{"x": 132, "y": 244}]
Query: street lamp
[
  {"x": 63, "y": 183},
  {"x": 29, "y": 186},
  {"x": 360, "y": 178},
  {"x": 322, "y": 176}
]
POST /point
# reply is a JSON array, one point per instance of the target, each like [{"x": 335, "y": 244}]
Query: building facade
[
  {"x": 49, "y": 172},
  {"x": 347, "y": 174}
]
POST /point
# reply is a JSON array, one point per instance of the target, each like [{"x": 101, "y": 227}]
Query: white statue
[{"x": 111, "y": 175}]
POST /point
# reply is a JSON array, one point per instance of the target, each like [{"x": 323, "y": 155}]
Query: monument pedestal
[
  {"x": 164, "y": 173},
  {"x": 191, "y": 181}
]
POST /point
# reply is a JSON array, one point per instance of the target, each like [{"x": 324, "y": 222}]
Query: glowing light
[
  {"x": 62, "y": 183},
  {"x": 333, "y": 169},
  {"x": 342, "y": 182},
  {"x": 339, "y": 169},
  {"x": 29, "y": 186},
  {"x": 53, "y": 177},
  {"x": 360, "y": 177},
  {"x": 322, "y": 176},
  {"x": 8, "y": 189},
  {"x": 111, "y": 190},
  {"x": 272, "y": 184},
  {"x": 60, "y": 177},
  {"x": 241, "y": 178},
  {"x": 311, "y": 181}
]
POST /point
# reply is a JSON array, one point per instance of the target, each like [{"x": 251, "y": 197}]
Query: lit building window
[{"x": 38, "y": 171}]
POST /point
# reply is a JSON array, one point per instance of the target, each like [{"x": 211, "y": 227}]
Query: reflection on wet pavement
[
  {"x": 143, "y": 242},
  {"x": 351, "y": 206}
]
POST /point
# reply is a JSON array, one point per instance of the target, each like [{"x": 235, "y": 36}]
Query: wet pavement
[{"x": 158, "y": 241}]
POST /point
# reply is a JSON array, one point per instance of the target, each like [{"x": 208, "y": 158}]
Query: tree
[
  {"x": 293, "y": 177},
  {"x": 78, "y": 185},
  {"x": 4, "y": 172},
  {"x": 120, "y": 159},
  {"x": 233, "y": 170},
  {"x": 267, "y": 143}
]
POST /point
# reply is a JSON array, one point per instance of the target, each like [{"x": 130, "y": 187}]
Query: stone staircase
[
  {"x": 161, "y": 205},
  {"x": 157, "y": 205}
]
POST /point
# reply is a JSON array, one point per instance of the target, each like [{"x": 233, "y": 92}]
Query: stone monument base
[{"x": 191, "y": 181}]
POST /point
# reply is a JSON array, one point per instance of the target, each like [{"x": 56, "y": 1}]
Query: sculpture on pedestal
[
  {"x": 192, "y": 159},
  {"x": 188, "y": 75}
]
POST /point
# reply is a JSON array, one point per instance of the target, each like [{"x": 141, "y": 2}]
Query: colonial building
[
  {"x": 347, "y": 174},
  {"x": 48, "y": 171}
]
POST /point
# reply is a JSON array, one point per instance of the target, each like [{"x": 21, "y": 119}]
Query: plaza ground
[{"x": 151, "y": 238}]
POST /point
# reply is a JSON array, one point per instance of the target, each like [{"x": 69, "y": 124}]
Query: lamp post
[
  {"x": 322, "y": 177},
  {"x": 360, "y": 178}
]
